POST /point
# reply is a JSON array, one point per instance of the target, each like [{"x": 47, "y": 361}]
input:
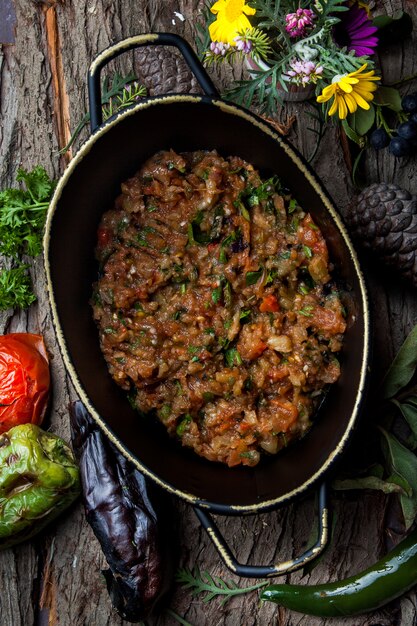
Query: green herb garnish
[
  {"x": 233, "y": 357},
  {"x": 203, "y": 582},
  {"x": 22, "y": 219},
  {"x": 15, "y": 288},
  {"x": 253, "y": 277},
  {"x": 216, "y": 294},
  {"x": 183, "y": 425}
]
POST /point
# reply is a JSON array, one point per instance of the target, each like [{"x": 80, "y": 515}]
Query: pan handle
[
  {"x": 154, "y": 39},
  {"x": 261, "y": 571}
]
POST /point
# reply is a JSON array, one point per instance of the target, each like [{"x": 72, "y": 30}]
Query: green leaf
[
  {"x": 353, "y": 136},
  {"x": 356, "y": 169},
  {"x": 380, "y": 21},
  {"x": 233, "y": 357},
  {"x": 409, "y": 412},
  {"x": 402, "y": 368},
  {"x": 403, "y": 463},
  {"x": 388, "y": 97},
  {"x": 37, "y": 182},
  {"x": 362, "y": 120},
  {"x": 412, "y": 400},
  {"x": 369, "y": 482},
  {"x": 253, "y": 277}
]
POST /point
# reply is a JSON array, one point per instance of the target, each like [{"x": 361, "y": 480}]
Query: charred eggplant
[{"x": 131, "y": 518}]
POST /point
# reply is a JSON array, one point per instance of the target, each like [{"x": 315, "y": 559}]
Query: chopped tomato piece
[{"x": 269, "y": 304}]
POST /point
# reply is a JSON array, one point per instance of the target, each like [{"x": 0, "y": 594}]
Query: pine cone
[{"x": 384, "y": 219}]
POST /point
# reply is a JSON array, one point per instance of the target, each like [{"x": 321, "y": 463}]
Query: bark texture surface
[{"x": 56, "y": 579}]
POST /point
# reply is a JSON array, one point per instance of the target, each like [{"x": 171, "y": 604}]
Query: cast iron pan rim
[{"x": 309, "y": 174}]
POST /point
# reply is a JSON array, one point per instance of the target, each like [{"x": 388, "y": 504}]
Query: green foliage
[
  {"x": 175, "y": 616},
  {"x": 328, "y": 7},
  {"x": 203, "y": 38},
  {"x": 388, "y": 97},
  {"x": 262, "y": 89},
  {"x": 15, "y": 288},
  {"x": 204, "y": 582},
  {"x": 397, "y": 416},
  {"x": 402, "y": 368},
  {"x": 362, "y": 120},
  {"x": 403, "y": 465},
  {"x": 22, "y": 219},
  {"x": 117, "y": 93},
  {"x": 129, "y": 94},
  {"x": 23, "y": 211}
]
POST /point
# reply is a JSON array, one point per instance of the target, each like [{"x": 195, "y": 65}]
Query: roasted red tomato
[{"x": 24, "y": 379}]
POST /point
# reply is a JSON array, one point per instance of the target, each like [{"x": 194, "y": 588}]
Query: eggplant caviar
[
  {"x": 131, "y": 518},
  {"x": 369, "y": 590}
]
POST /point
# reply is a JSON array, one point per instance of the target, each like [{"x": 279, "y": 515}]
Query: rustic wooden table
[{"x": 56, "y": 578}]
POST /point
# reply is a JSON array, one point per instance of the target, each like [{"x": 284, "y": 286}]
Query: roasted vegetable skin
[
  {"x": 39, "y": 478},
  {"x": 24, "y": 380},
  {"x": 131, "y": 518},
  {"x": 388, "y": 579}
]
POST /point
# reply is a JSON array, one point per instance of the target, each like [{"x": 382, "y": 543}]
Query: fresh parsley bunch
[{"x": 22, "y": 218}]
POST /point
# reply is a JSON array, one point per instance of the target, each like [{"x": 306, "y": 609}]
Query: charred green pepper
[
  {"x": 38, "y": 479},
  {"x": 131, "y": 518},
  {"x": 388, "y": 579}
]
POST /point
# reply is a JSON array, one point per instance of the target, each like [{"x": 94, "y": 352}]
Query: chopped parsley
[
  {"x": 308, "y": 253},
  {"x": 165, "y": 411},
  {"x": 216, "y": 294},
  {"x": 253, "y": 277},
  {"x": 233, "y": 357},
  {"x": 184, "y": 424}
]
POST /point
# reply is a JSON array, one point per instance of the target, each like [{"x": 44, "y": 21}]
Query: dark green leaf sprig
[
  {"x": 22, "y": 218},
  {"x": 398, "y": 472},
  {"x": 212, "y": 586}
]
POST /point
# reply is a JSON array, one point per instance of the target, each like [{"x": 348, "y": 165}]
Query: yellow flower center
[{"x": 233, "y": 10}]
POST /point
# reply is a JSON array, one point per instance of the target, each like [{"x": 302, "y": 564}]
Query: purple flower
[
  {"x": 356, "y": 32},
  {"x": 297, "y": 23},
  {"x": 304, "y": 72},
  {"x": 243, "y": 45},
  {"x": 218, "y": 47}
]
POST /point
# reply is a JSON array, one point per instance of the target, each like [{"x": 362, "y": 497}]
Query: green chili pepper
[
  {"x": 388, "y": 579},
  {"x": 38, "y": 479}
]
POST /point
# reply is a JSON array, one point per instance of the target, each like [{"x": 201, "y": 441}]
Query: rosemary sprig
[
  {"x": 117, "y": 94},
  {"x": 130, "y": 94},
  {"x": 204, "y": 582}
]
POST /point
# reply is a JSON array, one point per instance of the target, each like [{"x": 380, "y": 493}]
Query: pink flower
[
  {"x": 243, "y": 45},
  {"x": 304, "y": 72},
  {"x": 297, "y": 23},
  {"x": 218, "y": 47}
]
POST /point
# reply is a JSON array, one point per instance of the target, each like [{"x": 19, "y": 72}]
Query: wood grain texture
[{"x": 56, "y": 579}]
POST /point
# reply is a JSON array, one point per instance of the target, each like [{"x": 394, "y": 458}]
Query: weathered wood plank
[{"x": 56, "y": 579}]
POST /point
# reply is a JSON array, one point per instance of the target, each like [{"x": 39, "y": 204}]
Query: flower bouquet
[{"x": 322, "y": 48}]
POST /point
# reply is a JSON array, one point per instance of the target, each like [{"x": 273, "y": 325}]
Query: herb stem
[
  {"x": 177, "y": 617},
  {"x": 204, "y": 582}
]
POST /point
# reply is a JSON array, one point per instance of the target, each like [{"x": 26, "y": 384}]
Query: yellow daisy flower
[
  {"x": 231, "y": 20},
  {"x": 350, "y": 91}
]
